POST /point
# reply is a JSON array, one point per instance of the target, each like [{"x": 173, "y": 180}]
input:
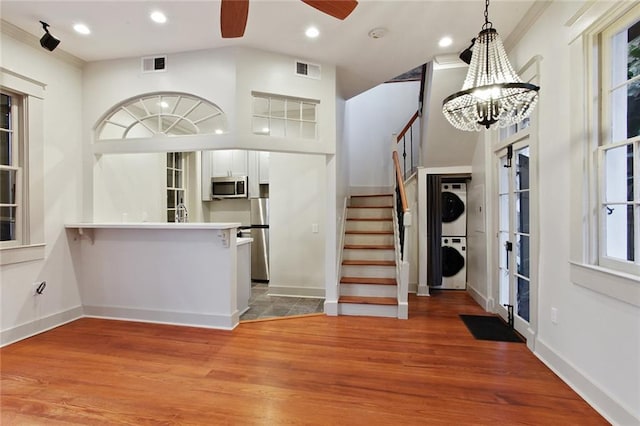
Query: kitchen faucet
[{"x": 181, "y": 213}]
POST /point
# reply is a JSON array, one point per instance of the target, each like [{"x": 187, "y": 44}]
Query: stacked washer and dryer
[{"x": 454, "y": 236}]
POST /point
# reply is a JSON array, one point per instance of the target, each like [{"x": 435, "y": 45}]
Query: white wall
[
  {"x": 444, "y": 145},
  {"x": 595, "y": 344},
  {"x": 129, "y": 188},
  {"x": 477, "y": 283},
  {"x": 371, "y": 118},
  {"x": 297, "y": 201},
  {"x": 21, "y": 313}
]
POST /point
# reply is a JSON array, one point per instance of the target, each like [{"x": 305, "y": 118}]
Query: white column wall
[{"x": 22, "y": 314}]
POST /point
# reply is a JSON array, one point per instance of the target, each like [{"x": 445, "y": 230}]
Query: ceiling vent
[
  {"x": 306, "y": 69},
  {"x": 154, "y": 64}
]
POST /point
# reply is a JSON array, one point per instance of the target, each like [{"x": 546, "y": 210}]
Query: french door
[{"x": 514, "y": 292}]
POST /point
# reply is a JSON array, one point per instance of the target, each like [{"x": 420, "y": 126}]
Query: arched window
[{"x": 166, "y": 113}]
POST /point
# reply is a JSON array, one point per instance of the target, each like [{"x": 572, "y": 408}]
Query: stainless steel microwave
[{"x": 229, "y": 187}]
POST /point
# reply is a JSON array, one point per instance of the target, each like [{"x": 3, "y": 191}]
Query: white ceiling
[{"x": 122, "y": 28}]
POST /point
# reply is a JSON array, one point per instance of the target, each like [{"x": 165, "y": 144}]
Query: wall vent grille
[
  {"x": 306, "y": 69},
  {"x": 154, "y": 64}
]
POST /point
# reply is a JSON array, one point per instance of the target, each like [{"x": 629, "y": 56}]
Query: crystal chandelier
[{"x": 492, "y": 91}]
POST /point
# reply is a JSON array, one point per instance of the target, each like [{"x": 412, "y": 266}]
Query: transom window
[
  {"x": 283, "y": 116},
  {"x": 619, "y": 150},
  {"x": 169, "y": 114}
]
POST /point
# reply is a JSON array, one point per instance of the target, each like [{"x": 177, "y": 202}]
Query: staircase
[{"x": 368, "y": 280}]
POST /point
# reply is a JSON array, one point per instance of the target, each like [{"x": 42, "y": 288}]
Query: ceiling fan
[{"x": 233, "y": 13}]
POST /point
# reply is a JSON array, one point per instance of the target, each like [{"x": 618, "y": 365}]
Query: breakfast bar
[{"x": 176, "y": 273}]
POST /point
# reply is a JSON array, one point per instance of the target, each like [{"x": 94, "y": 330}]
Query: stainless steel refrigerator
[{"x": 260, "y": 233}]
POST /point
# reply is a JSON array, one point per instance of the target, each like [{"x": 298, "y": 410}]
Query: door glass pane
[
  {"x": 633, "y": 108},
  {"x": 171, "y": 199},
  {"x": 504, "y": 212},
  {"x": 522, "y": 212},
  {"x": 178, "y": 177},
  {"x": 171, "y": 215},
  {"x": 522, "y": 299},
  {"x": 503, "y": 238},
  {"x": 522, "y": 169},
  {"x": 503, "y": 184},
  {"x": 169, "y": 179},
  {"x": 522, "y": 255},
  {"x": 309, "y": 112},
  {"x": 261, "y": 106},
  {"x": 260, "y": 125}
]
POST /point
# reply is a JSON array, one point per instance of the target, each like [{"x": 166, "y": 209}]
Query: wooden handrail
[
  {"x": 403, "y": 196},
  {"x": 407, "y": 127}
]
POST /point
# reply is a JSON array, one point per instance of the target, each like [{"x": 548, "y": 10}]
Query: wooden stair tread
[
  {"x": 368, "y": 247},
  {"x": 366, "y": 280},
  {"x": 369, "y": 262},
  {"x": 372, "y": 195},
  {"x": 369, "y": 232},
  {"x": 368, "y": 300},
  {"x": 372, "y": 219}
]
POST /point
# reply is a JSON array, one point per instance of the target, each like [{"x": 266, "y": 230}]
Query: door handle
[{"x": 508, "y": 246}]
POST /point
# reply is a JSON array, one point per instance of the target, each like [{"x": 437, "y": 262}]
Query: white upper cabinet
[{"x": 229, "y": 162}]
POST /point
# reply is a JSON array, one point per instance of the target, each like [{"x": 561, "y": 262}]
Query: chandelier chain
[{"x": 487, "y": 23}]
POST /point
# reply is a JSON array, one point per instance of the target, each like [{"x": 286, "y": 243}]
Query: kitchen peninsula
[{"x": 179, "y": 273}]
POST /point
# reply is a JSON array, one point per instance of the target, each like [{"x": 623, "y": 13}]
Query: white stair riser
[
  {"x": 357, "y": 254},
  {"x": 357, "y": 309},
  {"x": 369, "y": 239},
  {"x": 375, "y": 225},
  {"x": 370, "y": 201},
  {"x": 369, "y": 271},
  {"x": 385, "y": 213},
  {"x": 368, "y": 290}
]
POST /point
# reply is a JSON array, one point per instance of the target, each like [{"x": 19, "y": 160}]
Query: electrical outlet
[{"x": 554, "y": 315}]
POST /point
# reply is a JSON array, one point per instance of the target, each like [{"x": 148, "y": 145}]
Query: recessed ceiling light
[
  {"x": 158, "y": 17},
  {"x": 82, "y": 29},
  {"x": 312, "y": 32},
  {"x": 445, "y": 42}
]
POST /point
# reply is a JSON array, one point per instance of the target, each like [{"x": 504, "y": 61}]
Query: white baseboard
[
  {"x": 423, "y": 290},
  {"x": 601, "y": 401},
  {"x": 478, "y": 297},
  {"x": 39, "y": 325},
  {"x": 413, "y": 287},
  {"x": 317, "y": 293},
  {"x": 331, "y": 308},
  {"x": 222, "y": 322}
]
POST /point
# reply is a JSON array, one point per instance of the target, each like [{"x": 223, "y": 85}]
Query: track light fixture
[
  {"x": 492, "y": 92},
  {"x": 466, "y": 54},
  {"x": 48, "y": 41}
]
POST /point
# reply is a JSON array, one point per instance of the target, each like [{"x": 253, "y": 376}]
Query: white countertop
[{"x": 152, "y": 225}]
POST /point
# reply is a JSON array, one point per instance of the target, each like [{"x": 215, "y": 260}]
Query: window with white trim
[
  {"x": 284, "y": 116},
  {"x": 11, "y": 208},
  {"x": 618, "y": 153}
]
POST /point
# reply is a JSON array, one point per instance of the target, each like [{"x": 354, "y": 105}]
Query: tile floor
[{"x": 263, "y": 306}]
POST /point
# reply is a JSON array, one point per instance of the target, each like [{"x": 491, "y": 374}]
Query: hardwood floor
[{"x": 314, "y": 370}]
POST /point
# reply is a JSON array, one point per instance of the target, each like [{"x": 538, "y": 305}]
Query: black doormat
[{"x": 484, "y": 327}]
